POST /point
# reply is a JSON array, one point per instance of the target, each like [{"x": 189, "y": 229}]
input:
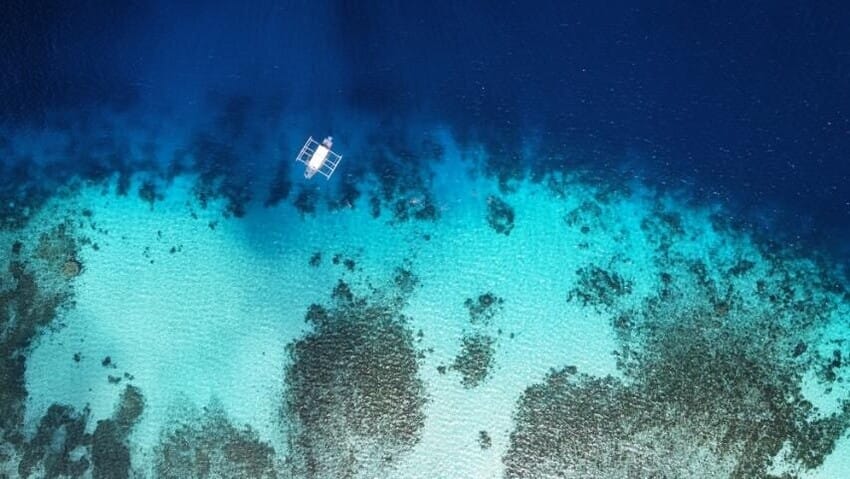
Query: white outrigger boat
[{"x": 319, "y": 158}]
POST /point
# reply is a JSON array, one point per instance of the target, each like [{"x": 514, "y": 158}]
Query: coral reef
[
  {"x": 403, "y": 182},
  {"x": 475, "y": 360},
  {"x": 61, "y": 448},
  {"x": 587, "y": 217},
  {"x": 281, "y": 186},
  {"x": 484, "y": 308},
  {"x": 210, "y": 446},
  {"x": 347, "y": 194},
  {"x": 500, "y": 215},
  {"x": 598, "y": 287},
  {"x": 579, "y": 426},
  {"x": 37, "y": 289},
  {"x": 306, "y": 200},
  {"x": 58, "y": 249},
  {"x": 662, "y": 229},
  {"x": 354, "y": 399},
  {"x": 148, "y": 193},
  {"x": 316, "y": 259},
  {"x": 484, "y": 440},
  {"x": 111, "y": 458},
  {"x": 405, "y": 281},
  {"x": 222, "y": 154},
  {"x": 53, "y": 451},
  {"x": 712, "y": 383},
  {"x": 110, "y": 449},
  {"x": 20, "y": 194}
]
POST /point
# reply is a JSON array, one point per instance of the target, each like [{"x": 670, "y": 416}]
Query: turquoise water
[{"x": 442, "y": 323}]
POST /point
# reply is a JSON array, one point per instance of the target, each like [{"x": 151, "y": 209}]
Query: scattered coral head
[{"x": 71, "y": 268}]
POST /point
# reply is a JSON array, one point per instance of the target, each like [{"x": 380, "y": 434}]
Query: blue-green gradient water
[{"x": 563, "y": 241}]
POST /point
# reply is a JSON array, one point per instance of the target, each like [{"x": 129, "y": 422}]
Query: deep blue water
[{"x": 746, "y": 102}]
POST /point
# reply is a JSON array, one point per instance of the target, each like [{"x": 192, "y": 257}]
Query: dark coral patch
[
  {"x": 130, "y": 408},
  {"x": 353, "y": 381},
  {"x": 149, "y": 194},
  {"x": 500, "y": 215},
  {"x": 474, "y": 362},
  {"x": 708, "y": 386},
  {"x": 405, "y": 280},
  {"x": 110, "y": 449},
  {"x": 572, "y": 427},
  {"x": 347, "y": 195},
  {"x": 12, "y": 395},
  {"x": 305, "y": 201},
  {"x": 222, "y": 154},
  {"x": 33, "y": 290},
  {"x": 662, "y": 228},
  {"x": 216, "y": 162},
  {"x": 281, "y": 186},
  {"x": 406, "y": 209},
  {"x": 484, "y": 308},
  {"x": 375, "y": 206},
  {"x": 110, "y": 456},
  {"x": 57, "y": 247},
  {"x": 586, "y": 217},
  {"x": 829, "y": 372},
  {"x": 598, "y": 287},
  {"x": 404, "y": 180},
  {"x": 426, "y": 210},
  {"x": 484, "y": 440},
  {"x": 741, "y": 267},
  {"x": 21, "y": 194},
  {"x": 60, "y": 432},
  {"x": 210, "y": 446},
  {"x": 26, "y": 308},
  {"x": 316, "y": 259}
]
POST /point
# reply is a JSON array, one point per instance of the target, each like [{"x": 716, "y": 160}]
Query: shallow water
[{"x": 478, "y": 291}]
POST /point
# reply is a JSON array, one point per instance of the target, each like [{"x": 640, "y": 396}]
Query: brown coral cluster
[{"x": 71, "y": 268}]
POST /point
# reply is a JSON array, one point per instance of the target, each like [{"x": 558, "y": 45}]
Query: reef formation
[
  {"x": 354, "y": 400},
  {"x": 712, "y": 364}
]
